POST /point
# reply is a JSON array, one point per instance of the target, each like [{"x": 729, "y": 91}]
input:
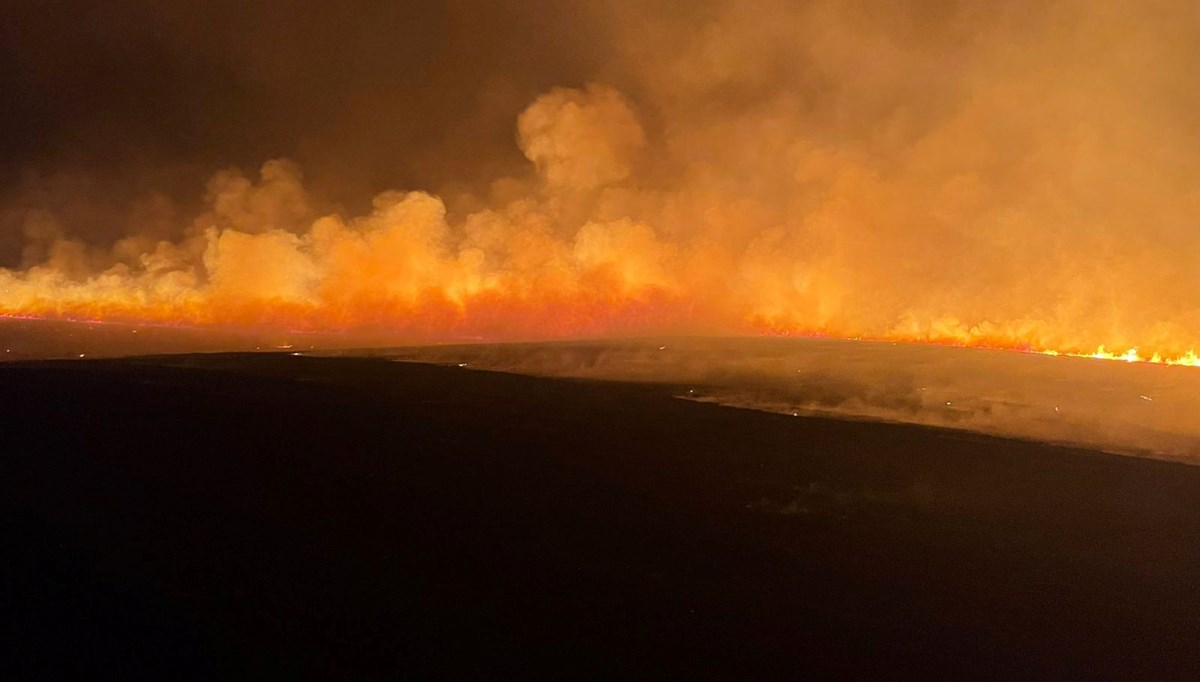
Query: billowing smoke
[{"x": 1014, "y": 173}]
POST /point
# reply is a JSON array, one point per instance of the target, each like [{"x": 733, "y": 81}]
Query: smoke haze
[
  {"x": 1129, "y": 408},
  {"x": 1013, "y": 173}
]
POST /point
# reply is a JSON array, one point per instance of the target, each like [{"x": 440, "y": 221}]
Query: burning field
[
  {"x": 1133, "y": 408},
  {"x": 682, "y": 337}
]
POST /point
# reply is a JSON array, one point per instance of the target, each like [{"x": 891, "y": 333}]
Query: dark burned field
[{"x": 243, "y": 515}]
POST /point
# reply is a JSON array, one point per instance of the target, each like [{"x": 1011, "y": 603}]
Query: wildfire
[
  {"x": 1189, "y": 359},
  {"x": 580, "y": 250}
]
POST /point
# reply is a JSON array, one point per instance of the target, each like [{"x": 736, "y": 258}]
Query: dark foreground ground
[{"x": 257, "y": 515}]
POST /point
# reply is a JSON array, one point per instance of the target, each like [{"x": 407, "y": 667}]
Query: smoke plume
[{"x": 1018, "y": 174}]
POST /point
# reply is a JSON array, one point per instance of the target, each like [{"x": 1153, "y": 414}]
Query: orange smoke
[
  {"x": 1023, "y": 180},
  {"x": 255, "y": 258}
]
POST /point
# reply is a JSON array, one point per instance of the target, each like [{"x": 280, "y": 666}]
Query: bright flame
[{"x": 1188, "y": 359}]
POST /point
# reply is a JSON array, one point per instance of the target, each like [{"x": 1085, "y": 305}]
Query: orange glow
[
  {"x": 580, "y": 249},
  {"x": 1189, "y": 359}
]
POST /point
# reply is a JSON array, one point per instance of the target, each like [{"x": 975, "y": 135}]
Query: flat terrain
[{"x": 218, "y": 516}]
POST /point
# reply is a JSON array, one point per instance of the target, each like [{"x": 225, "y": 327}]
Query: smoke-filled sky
[
  {"x": 129, "y": 97},
  {"x": 1015, "y": 173}
]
